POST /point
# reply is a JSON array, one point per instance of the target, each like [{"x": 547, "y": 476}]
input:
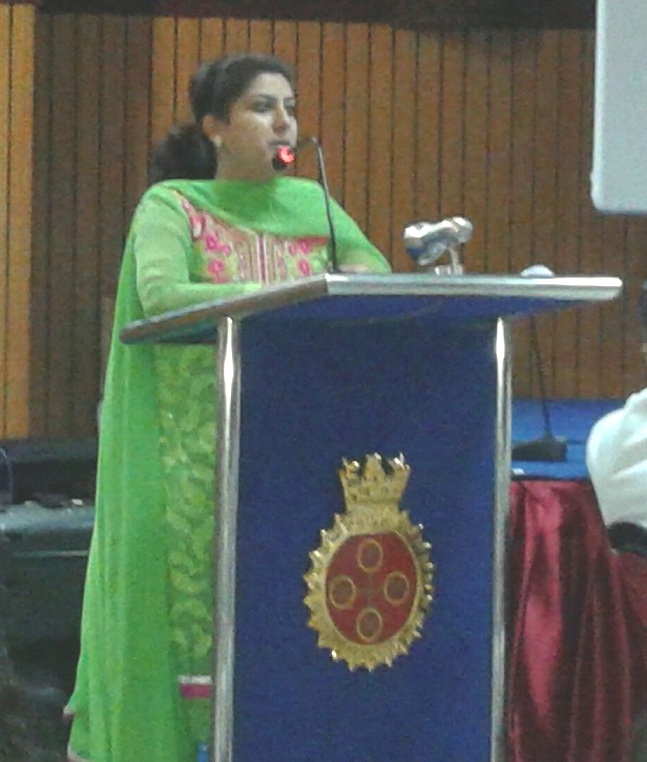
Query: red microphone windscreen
[{"x": 283, "y": 158}]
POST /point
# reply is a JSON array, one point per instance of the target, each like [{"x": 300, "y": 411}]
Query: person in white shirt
[{"x": 616, "y": 457}]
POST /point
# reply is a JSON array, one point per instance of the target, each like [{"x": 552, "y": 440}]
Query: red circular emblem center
[{"x": 370, "y": 587}]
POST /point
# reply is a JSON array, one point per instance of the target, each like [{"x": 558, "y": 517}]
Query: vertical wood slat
[
  {"x": 212, "y": 36},
  {"x": 568, "y": 223},
  {"x": 261, "y": 36},
  {"x": 614, "y": 315},
  {"x": 452, "y": 140},
  {"x": 308, "y": 71},
  {"x": 499, "y": 132},
  {"x": 428, "y": 114},
  {"x": 331, "y": 131},
  {"x": 589, "y": 321},
  {"x": 5, "y": 142},
  {"x": 521, "y": 251},
  {"x": 188, "y": 58},
  {"x": 380, "y": 137},
  {"x": 404, "y": 191},
  {"x": 356, "y": 123},
  {"x": 39, "y": 380},
  {"x": 16, "y": 133},
  {"x": 112, "y": 174},
  {"x": 163, "y": 78},
  {"x": 544, "y": 181},
  {"x": 477, "y": 160},
  {"x": 20, "y": 202},
  {"x": 138, "y": 109},
  {"x": 62, "y": 146},
  {"x": 283, "y": 40},
  {"x": 236, "y": 36},
  {"x": 86, "y": 295}
]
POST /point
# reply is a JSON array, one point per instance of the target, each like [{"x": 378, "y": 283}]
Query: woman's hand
[{"x": 354, "y": 269}]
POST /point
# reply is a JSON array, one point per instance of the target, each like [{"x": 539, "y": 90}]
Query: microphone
[
  {"x": 283, "y": 158},
  {"x": 548, "y": 448},
  {"x": 426, "y": 242}
]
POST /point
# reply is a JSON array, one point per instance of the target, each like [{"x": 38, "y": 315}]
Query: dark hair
[{"x": 186, "y": 152}]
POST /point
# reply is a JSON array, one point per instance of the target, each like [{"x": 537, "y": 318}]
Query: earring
[{"x": 217, "y": 141}]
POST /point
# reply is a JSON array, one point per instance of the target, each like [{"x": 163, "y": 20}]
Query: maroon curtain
[{"x": 577, "y": 671}]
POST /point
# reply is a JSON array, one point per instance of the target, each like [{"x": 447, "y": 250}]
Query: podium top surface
[{"x": 389, "y": 296}]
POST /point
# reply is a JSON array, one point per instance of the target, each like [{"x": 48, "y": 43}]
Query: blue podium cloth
[
  {"x": 292, "y": 702},
  {"x": 571, "y": 419}
]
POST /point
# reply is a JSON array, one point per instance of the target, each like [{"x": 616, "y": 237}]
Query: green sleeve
[
  {"x": 353, "y": 247},
  {"x": 161, "y": 241}
]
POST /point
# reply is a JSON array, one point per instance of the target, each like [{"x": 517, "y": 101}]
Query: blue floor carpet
[{"x": 571, "y": 419}]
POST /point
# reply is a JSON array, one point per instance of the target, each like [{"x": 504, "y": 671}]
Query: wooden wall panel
[
  {"x": 496, "y": 126},
  {"x": 16, "y": 152},
  {"x": 91, "y": 138}
]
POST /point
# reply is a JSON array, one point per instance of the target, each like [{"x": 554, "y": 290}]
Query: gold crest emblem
[{"x": 370, "y": 584}]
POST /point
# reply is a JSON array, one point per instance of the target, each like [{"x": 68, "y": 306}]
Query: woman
[{"x": 229, "y": 229}]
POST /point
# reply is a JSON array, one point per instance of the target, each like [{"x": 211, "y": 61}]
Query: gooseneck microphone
[
  {"x": 283, "y": 158},
  {"x": 548, "y": 448}
]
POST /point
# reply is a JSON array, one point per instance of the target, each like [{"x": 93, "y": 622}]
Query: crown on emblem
[{"x": 380, "y": 480}]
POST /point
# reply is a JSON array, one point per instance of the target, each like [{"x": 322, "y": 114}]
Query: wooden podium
[{"x": 331, "y": 367}]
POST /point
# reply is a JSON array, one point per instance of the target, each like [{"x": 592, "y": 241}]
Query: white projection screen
[{"x": 619, "y": 175}]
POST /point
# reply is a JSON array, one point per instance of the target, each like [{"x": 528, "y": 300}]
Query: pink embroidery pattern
[
  {"x": 306, "y": 245},
  {"x": 212, "y": 243},
  {"x": 230, "y": 254},
  {"x": 304, "y": 267},
  {"x": 196, "y": 219}
]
